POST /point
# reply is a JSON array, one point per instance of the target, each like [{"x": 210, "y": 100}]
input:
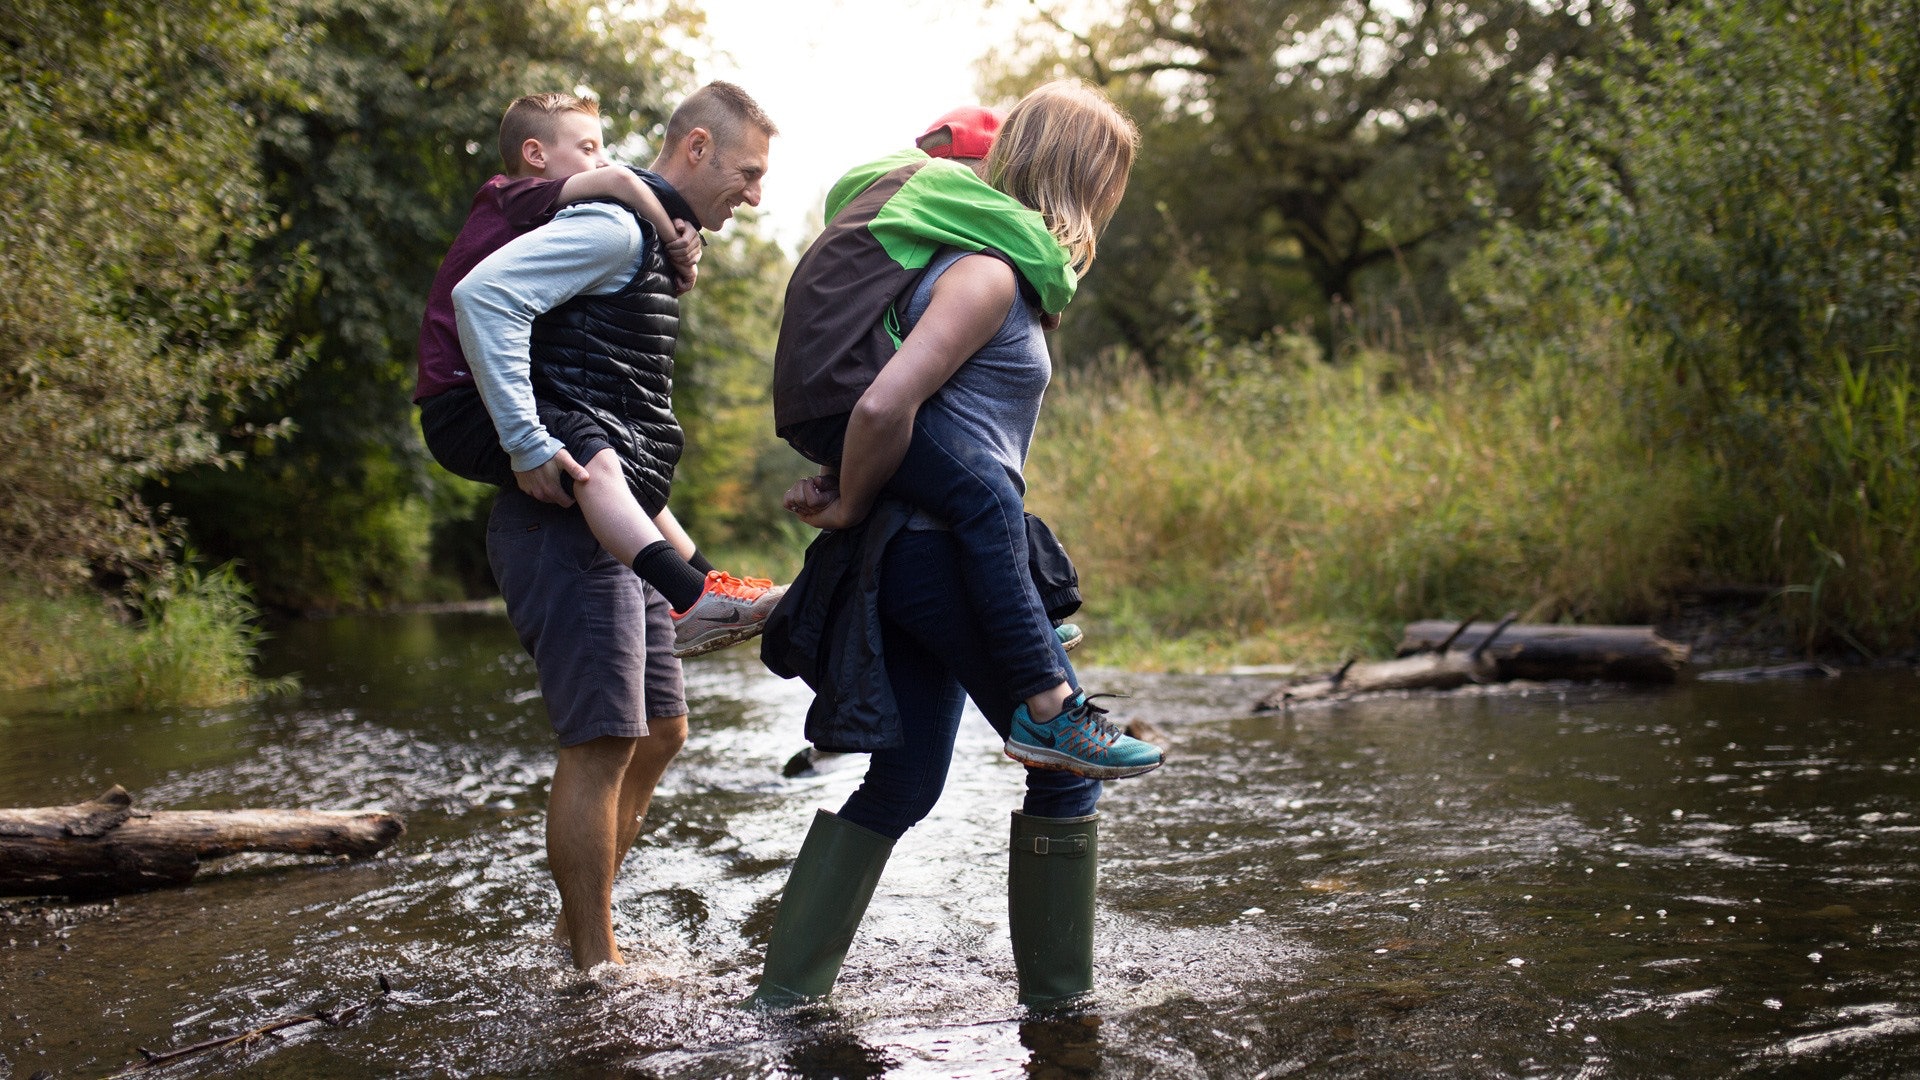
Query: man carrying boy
[
  {"x": 574, "y": 324},
  {"x": 550, "y": 146}
]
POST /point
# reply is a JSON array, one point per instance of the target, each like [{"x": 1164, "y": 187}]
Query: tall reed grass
[
  {"x": 1281, "y": 508},
  {"x": 193, "y": 644}
]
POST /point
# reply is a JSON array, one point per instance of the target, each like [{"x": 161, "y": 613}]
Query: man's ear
[
  {"x": 533, "y": 155},
  {"x": 699, "y": 145}
]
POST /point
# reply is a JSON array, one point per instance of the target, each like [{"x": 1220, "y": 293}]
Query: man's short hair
[
  {"x": 535, "y": 117},
  {"x": 723, "y": 109}
]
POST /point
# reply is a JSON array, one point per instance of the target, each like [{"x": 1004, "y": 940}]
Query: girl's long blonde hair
[{"x": 1065, "y": 150}]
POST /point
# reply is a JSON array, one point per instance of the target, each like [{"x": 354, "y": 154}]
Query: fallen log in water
[
  {"x": 1436, "y": 655},
  {"x": 1521, "y": 651},
  {"x": 104, "y": 846},
  {"x": 1436, "y": 669}
]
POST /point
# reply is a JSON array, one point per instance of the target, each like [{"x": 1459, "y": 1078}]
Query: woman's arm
[{"x": 969, "y": 303}]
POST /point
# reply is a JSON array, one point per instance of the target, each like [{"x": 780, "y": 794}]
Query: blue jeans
[
  {"x": 957, "y": 481},
  {"x": 936, "y": 655}
]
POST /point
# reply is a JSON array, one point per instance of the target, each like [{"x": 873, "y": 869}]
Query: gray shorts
[{"x": 601, "y": 639}]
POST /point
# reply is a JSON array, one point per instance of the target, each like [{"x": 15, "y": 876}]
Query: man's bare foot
[{"x": 590, "y": 960}]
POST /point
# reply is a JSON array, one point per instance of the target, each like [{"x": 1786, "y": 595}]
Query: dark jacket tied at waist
[{"x": 826, "y": 630}]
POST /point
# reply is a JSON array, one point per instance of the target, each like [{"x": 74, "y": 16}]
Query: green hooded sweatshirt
[{"x": 885, "y": 222}]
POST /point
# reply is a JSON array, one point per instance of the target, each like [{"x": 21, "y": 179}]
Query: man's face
[
  {"x": 726, "y": 176},
  {"x": 575, "y": 147}
]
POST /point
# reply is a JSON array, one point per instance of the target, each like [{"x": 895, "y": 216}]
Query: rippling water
[{"x": 1713, "y": 880}]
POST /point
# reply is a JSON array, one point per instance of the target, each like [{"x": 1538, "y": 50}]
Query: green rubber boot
[
  {"x": 826, "y": 896},
  {"x": 1050, "y": 905}
]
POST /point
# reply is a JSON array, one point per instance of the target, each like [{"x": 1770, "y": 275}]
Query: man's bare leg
[
  {"x": 583, "y": 839},
  {"x": 651, "y": 756},
  {"x": 650, "y": 760}
]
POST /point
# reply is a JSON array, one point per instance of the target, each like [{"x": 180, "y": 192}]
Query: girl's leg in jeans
[
  {"x": 959, "y": 482},
  {"x": 931, "y": 659}
]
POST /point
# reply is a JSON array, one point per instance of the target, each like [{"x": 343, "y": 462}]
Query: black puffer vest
[{"x": 612, "y": 356}]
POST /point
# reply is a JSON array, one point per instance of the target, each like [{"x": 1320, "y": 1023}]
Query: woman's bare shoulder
[{"x": 984, "y": 277}]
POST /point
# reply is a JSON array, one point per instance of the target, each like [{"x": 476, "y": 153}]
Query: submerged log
[
  {"x": 104, "y": 846},
  {"x": 1436, "y": 655},
  {"x": 1800, "y": 669},
  {"x": 1428, "y": 671},
  {"x": 1521, "y": 651}
]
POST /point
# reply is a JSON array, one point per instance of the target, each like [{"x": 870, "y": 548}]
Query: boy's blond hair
[
  {"x": 723, "y": 109},
  {"x": 534, "y": 117},
  {"x": 1065, "y": 150}
]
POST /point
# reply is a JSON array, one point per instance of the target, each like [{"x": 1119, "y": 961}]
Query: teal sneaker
[
  {"x": 1081, "y": 741},
  {"x": 1069, "y": 635}
]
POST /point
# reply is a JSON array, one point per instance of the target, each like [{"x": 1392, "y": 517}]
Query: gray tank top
[{"x": 993, "y": 399}]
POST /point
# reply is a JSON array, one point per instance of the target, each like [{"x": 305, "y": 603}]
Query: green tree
[
  {"x": 1751, "y": 175},
  {"x": 1292, "y": 149},
  {"x": 373, "y": 171},
  {"x": 133, "y": 307},
  {"x": 728, "y": 488},
  {"x": 1744, "y": 193}
]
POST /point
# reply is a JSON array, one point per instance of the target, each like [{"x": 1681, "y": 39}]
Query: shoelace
[
  {"x": 739, "y": 588},
  {"x": 1096, "y": 717}
]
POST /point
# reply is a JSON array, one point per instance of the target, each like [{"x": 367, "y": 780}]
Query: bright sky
[{"x": 846, "y": 81}]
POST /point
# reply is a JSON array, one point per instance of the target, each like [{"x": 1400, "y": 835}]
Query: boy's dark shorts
[
  {"x": 601, "y": 639},
  {"x": 461, "y": 437}
]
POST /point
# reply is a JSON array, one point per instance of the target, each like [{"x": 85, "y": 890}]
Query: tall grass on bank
[
  {"x": 1280, "y": 508},
  {"x": 1303, "y": 510},
  {"x": 193, "y": 645},
  {"x": 1829, "y": 508}
]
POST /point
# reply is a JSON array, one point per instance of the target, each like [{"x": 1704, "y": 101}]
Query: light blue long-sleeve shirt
[{"x": 588, "y": 249}]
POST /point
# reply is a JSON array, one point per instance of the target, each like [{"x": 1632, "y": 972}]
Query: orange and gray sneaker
[{"x": 730, "y": 610}]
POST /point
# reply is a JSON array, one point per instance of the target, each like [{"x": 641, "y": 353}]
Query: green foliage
[
  {"x": 53, "y": 639},
  {"x": 1302, "y": 507},
  {"x": 1752, "y": 176},
  {"x": 372, "y": 170},
  {"x": 728, "y": 488},
  {"x": 1745, "y": 198},
  {"x": 192, "y": 645},
  {"x": 195, "y": 647},
  {"x": 1305, "y": 155},
  {"x": 135, "y": 321}
]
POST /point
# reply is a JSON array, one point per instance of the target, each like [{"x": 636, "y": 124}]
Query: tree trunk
[
  {"x": 104, "y": 847},
  {"x": 1615, "y": 653}
]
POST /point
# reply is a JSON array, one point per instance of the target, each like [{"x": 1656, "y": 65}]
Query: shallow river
[{"x": 1719, "y": 879}]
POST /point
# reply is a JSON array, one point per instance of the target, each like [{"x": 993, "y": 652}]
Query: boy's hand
[
  {"x": 543, "y": 480},
  {"x": 683, "y": 252}
]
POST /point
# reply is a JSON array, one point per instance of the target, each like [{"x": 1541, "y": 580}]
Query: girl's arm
[{"x": 969, "y": 303}]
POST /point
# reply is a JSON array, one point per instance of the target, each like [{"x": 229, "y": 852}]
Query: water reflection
[{"x": 1716, "y": 880}]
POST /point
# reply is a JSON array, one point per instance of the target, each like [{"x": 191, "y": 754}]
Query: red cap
[{"x": 972, "y": 128}]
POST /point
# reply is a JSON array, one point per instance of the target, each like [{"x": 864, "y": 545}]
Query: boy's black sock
[
  {"x": 660, "y": 566},
  {"x": 699, "y": 562}
]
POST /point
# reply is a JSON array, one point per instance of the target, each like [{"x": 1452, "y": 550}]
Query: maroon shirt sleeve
[{"x": 529, "y": 201}]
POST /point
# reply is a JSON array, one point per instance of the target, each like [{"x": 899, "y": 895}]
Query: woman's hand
[
  {"x": 816, "y": 501},
  {"x": 811, "y": 494}
]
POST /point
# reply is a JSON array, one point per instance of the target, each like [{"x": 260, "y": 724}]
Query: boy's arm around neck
[{"x": 681, "y": 246}]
